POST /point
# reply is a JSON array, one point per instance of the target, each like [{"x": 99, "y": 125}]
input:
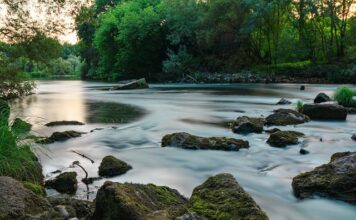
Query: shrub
[
  {"x": 343, "y": 96},
  {"x": 299, "y": 106}
]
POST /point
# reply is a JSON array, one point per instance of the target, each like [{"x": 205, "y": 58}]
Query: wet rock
[
  {"x": 60, "y": 136},
  {"x": 353, "y": 137},
  {"x": 61, "y": 123},
  {"x": 302, "y": 151},
  {"x": 286, "y": 117},
  {"x": 283, "y": 138},
  {"x": 135, "y": 84},
  {"x": 188, "y": 141},
  {"x": 221, "y": 197},
  {"x": 20, "y": 127},
  {"x": 270, "y": 131},
  {"x": 75, "y": 208},
  {"x": 351, "y": 111},
  {"x": 111, "y": 166},
  {"x": 90, "y": 180},
  {"x": 302, "y": 87},
  {"x": 283, "y": 101},
  {"x": 129, "y": 201},
  {"x": 245, "y": 125},
  {"x": 337, "y": 179},
  {"x": 64, "y": 183},
  {"x": 17, "y": 202},
  {"x": 322, "y": 97},
  {"x": 325, "y": 111}
]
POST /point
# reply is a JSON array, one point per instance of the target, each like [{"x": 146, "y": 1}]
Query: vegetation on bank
[{"x": 17, "y": 159}]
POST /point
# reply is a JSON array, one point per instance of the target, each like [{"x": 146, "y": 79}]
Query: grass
[
  {"x": 343, "y": 95},
  {"x": 16, "y": 160},
  {"x": 299, "y": 107}
]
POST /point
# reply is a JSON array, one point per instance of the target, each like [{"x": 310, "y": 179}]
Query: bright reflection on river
[{"x": 265, "y": 172}]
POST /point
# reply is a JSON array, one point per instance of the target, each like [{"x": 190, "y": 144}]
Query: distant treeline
[{"x": 150, "y": 38}]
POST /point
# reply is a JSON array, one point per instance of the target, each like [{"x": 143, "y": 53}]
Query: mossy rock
[
  {"x": 64, "y": 183},
  {"x": 336, "y": 179},
  {"x": 20, "y": 127},
  {"x": 35, "y": 188},
  {"x": 188, "y": 141},
  {"x": 283, "y": 138},
  {"x": 222, "y": 198},
  {"x": 127, "y": 201},
  {"x": 62, "y": 123},
  {"x": 60, "y": 136},
  {"x": 111, "y": 166},
  {"x": 245, "y": 125},
  {"x": 284, "y": 117}
]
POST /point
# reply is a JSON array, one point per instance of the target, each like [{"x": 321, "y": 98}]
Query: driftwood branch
[{"x": 91, "y": 160}]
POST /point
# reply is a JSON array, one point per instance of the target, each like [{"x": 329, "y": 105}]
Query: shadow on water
[{"x": 109, "y": 112}]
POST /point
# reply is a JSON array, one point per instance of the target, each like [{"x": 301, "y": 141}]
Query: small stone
[
  {"x": 245, "y": 125},
  {"x": 283, "y": 101},
  {"x": 64, "y": 183},
  {"x": 303, "y": 151},
  {"x": 322, "y": 97},
  {"x": 283, "y": 138},
  {"x": 302, "y": 87},
  {"x": 111, "y": 166},
  {"x": 353, "y": 137}
]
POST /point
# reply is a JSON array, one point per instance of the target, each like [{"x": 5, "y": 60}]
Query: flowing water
[{"x": 130, "y": 125}]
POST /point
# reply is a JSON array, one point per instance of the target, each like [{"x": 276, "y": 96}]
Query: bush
[
  {"x": 299, "y": 106},
  {"x": 343, "y": 96}
]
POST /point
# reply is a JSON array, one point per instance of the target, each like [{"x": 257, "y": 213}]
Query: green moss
[
  {"x": 36, "y": 188},
  {"x": 20, "y": 127}
]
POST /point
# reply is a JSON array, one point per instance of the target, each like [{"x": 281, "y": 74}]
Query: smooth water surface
[{"x": 132, "y": 124}]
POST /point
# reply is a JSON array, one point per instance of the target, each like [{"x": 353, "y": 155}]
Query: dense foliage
[{"x": 131, "y": 38}]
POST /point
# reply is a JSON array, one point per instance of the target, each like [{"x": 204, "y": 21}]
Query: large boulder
[
  {"x": 325, "y": 111},
  {"x": 322, "y": 97},
  {"x": 221, "y": 197},
  {"x": 60, "y": 136},
  {"x": 127, "y": 201},
  {"x": 283, "y": 138},
  {"x": 111, "y": 166},
  {"x": 19, "y": 203},
  {"x": 64, "y": 183},
  {"x": 188, "y": 141},
  {"x": 134, "y": 84},
  {"x": 337, "y": 179},
  {"x": 286, "y": 117},
  {"x": 62, "y": 123},
  {"x": 245, "y": 125}
]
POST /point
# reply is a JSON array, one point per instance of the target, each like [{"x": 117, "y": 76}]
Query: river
[{"x": 132, "y": 123}]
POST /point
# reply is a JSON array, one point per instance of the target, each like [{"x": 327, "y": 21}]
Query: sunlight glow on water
[{"x": 265, "y": 172}]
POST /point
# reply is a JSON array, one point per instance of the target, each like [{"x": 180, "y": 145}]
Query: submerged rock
[
  {"x": 325, "y": 111},
  {"x": 270, "y": 131},
  {"x": 337, "y": 179},
  {"x": 20, "y": 127},
  {"x": 283, "y": 138},
  {"x": 286, "y": 117},
  {"x": 246, "y": 125},
  {"x": 303, "y": 151},
  {"x": 221, "y": 197},
  {"x": 302, "y": 87},
  {"x": 17, "y": 202},
  {"x": 60, "y": 136},
  {"x": 322, "y": 97},
  {"x": 188, "y": 141},
  {"x": 64, "y": 183},
  {"x": 127, "y": 201},
  {"x": 60, "y": 123},
  {"x": 111, "y": 166},
  {"x": 283, "y": 101},
  {"x": 353, "y": 137},
  {"x": 135, "y": 84}
]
